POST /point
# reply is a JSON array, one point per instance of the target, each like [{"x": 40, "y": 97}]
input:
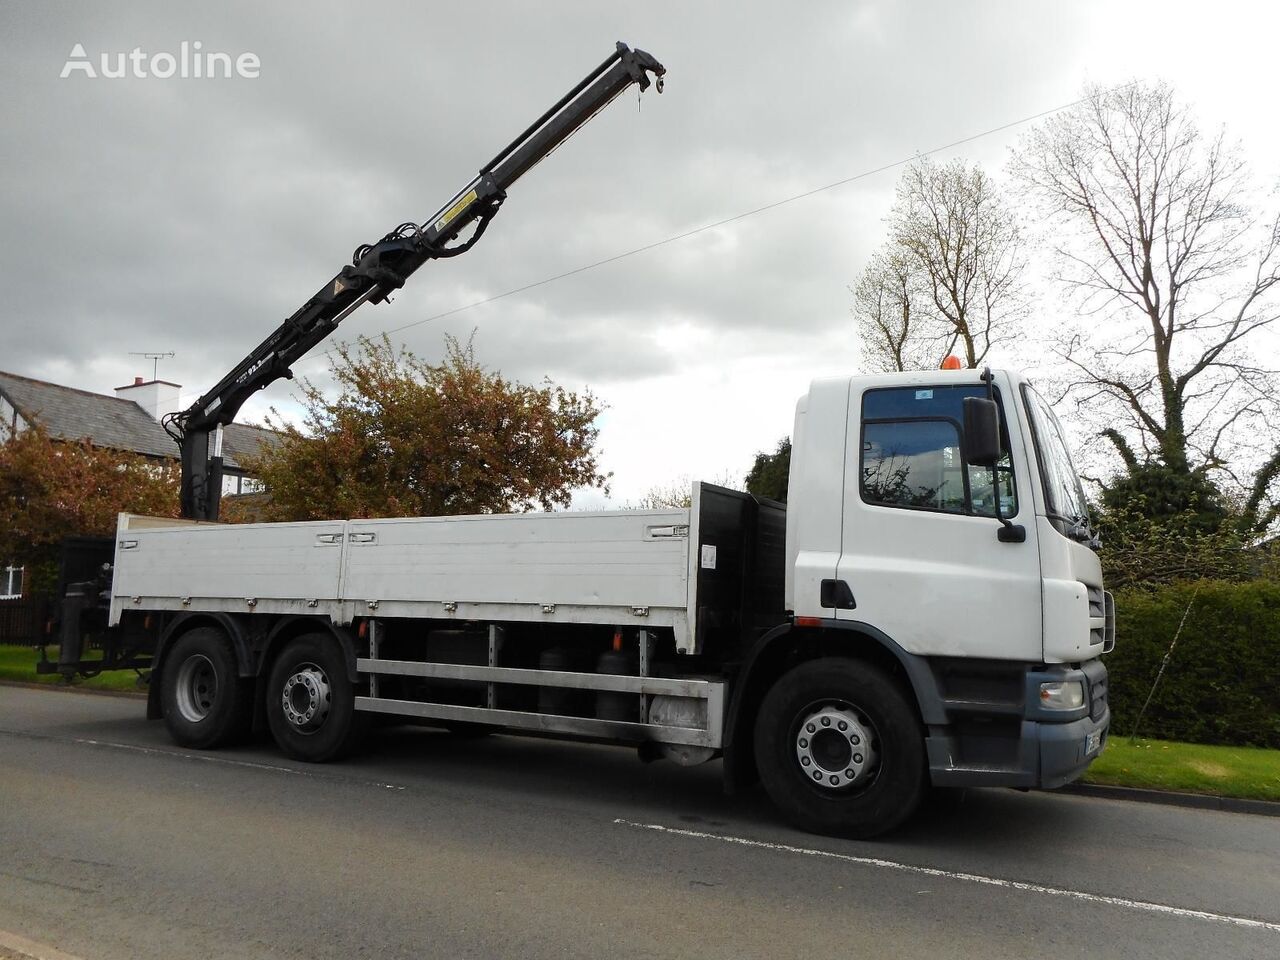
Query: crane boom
[{"x": 378, "y": 269}]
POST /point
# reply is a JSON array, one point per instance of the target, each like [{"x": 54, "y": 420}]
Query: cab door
[{"x": 920, "y": 545}]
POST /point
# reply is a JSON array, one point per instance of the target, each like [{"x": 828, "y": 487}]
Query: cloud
[{"x": 195, "y": 215}]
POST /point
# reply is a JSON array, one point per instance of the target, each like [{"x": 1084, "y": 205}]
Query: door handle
[
  {"x": 836, "y": 594},
  {"x": 362, "y": 537},
  {"x": 1012, "y": 533}
]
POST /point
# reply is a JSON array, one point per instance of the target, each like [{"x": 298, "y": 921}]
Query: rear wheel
[
  {"x": 206, "y": 703},
  {"x": 311, "y": 701},
  {"x": 840, "y": 750}
]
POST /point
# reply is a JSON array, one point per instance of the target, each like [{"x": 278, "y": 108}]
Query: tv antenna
[{"x": 155, "y": 359}]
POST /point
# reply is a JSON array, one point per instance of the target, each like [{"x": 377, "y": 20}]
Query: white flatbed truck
[
  {"x": 927, "y": 610},
  {"x": 885, "y": 631}
]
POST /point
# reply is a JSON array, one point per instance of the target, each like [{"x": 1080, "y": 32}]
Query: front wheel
[
  {"x": 311, "y": 701},
  {"x": 839, "y": 749}
]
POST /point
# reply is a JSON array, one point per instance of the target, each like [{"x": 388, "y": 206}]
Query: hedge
[{"x": 1222, "y": 684}]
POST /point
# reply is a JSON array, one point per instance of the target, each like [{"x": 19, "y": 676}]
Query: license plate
[{"x": 1091, "y": 742}]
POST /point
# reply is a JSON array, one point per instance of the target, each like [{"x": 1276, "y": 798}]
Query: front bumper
[
  {"x": 1067, "y": 749},
  {"x": 1027, "y": 747}
]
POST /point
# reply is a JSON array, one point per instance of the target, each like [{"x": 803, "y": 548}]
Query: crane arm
[{"x": 378, "y": 269}]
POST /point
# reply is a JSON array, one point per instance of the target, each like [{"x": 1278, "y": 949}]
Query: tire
[
  {"x": 840, "y": 750},
  {"x": 205, "y": 701},
  {"x": 311, "y": 703}
]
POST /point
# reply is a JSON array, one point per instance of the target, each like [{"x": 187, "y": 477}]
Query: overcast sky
[{"x": 194, "y": 215}]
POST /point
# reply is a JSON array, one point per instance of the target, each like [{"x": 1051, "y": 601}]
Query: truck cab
[{"x": 982, "y": 582}]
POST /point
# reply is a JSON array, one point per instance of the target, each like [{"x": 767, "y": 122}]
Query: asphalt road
[{"x": 116, "y": 844}]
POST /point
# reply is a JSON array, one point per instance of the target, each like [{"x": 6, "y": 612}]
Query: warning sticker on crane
[{"x": 451, "y": 214}]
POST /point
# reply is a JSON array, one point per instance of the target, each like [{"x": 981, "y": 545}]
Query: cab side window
[
  {"x": 913, "y": 463},
  {"x": 911, "y": 454}
]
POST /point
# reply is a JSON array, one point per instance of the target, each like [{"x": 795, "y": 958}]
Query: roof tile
[{"x": 71, "y": 414}]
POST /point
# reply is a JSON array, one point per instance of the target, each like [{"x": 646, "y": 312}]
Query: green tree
[
  {"x": 1166, "y": 494},
  {"x": 1144, "y": 546},
  {"x": 51, "y": 489},
  {"x": 404, "y": 437},
  {"x": 769, "y": 474}
]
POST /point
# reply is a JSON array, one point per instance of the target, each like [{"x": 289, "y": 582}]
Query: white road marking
[
  {"x": 1144, "y": 905},
  {"x": 29, "y": 948},
  {"x": 202, "y": 758},
  {"x": 211, "y": 758}
]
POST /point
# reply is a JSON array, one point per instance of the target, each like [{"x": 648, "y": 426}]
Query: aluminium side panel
[
  {"x": 559, "y": 567},
  {"x": 225, "y": 566},
  {"x": 617, "y": 567}
]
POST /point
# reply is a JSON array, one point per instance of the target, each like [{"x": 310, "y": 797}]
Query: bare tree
[
  {"x": 950, "y": 275},
  {"x": 894, "y": 327},
  {"x": 1175, "y": 275}
]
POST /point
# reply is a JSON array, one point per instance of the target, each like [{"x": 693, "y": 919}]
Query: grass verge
[
  {"x": 19, "y": 663},
  {"x": 1251, "y": 773}
]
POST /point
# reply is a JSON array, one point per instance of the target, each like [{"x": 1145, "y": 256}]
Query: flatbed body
[{"x": 645, "y": 568}]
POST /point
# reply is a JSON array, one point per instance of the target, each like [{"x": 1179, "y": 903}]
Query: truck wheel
[
  {"x": 205, "y": 701},
  {"x": 840, "y": 750},
  {"x": 311, "y": 702}
]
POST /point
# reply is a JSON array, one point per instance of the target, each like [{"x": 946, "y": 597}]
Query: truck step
[
  {"x": 698, "y": 689},
  {"x": 549, "y": 723},
  {"x": 712, "y": 691}
]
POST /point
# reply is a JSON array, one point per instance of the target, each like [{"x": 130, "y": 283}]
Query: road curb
[
  {"x": 1168, "y": 798},
  {"x": 63, "y": 688}
]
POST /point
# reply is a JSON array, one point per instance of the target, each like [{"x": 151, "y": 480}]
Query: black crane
[{"x": 378, "y": 269}]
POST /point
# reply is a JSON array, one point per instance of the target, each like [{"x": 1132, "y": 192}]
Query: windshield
[{"x": 1062, "y": 492}]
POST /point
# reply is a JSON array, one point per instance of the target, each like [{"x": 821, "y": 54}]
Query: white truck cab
[{"x": 998, "y": 623}]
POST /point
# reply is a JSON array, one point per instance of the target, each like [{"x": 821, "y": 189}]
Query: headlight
[{"x": 1062, "y": 695}]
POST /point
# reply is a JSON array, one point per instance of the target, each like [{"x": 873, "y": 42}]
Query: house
[{"x": 128, "y": 421}]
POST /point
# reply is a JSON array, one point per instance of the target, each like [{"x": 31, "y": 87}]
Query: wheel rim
[
  {"x": 306, "y": 698},
  {"x": 836, "y": 746},
  {"x": 197, "y": 687}
]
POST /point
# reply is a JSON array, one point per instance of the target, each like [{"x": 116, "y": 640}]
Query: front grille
[{"x": 1097, "y": 601}]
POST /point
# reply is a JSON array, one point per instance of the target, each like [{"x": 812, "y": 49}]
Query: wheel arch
[
  {"x": 182, "y": 624},
  {"x": 290, "y": 628},
  {"x": 786, "y": 646}
]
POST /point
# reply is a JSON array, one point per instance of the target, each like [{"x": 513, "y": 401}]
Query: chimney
[{"x": 157, "y": 397}]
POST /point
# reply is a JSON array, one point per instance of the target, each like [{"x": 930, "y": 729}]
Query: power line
[
  {"x": 740, "y": 216},
  {"x": 675, "y": 238}
]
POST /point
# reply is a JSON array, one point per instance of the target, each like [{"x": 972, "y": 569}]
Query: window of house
[
  {"x": 911, "y": 454},
  {"x": 10, "y": 583}
]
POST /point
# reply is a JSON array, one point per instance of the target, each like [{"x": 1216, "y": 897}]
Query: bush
[{"x": 1221, "y": 685}]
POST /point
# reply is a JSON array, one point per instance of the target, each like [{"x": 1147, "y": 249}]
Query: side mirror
[{"x": 981, "y": 432}]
